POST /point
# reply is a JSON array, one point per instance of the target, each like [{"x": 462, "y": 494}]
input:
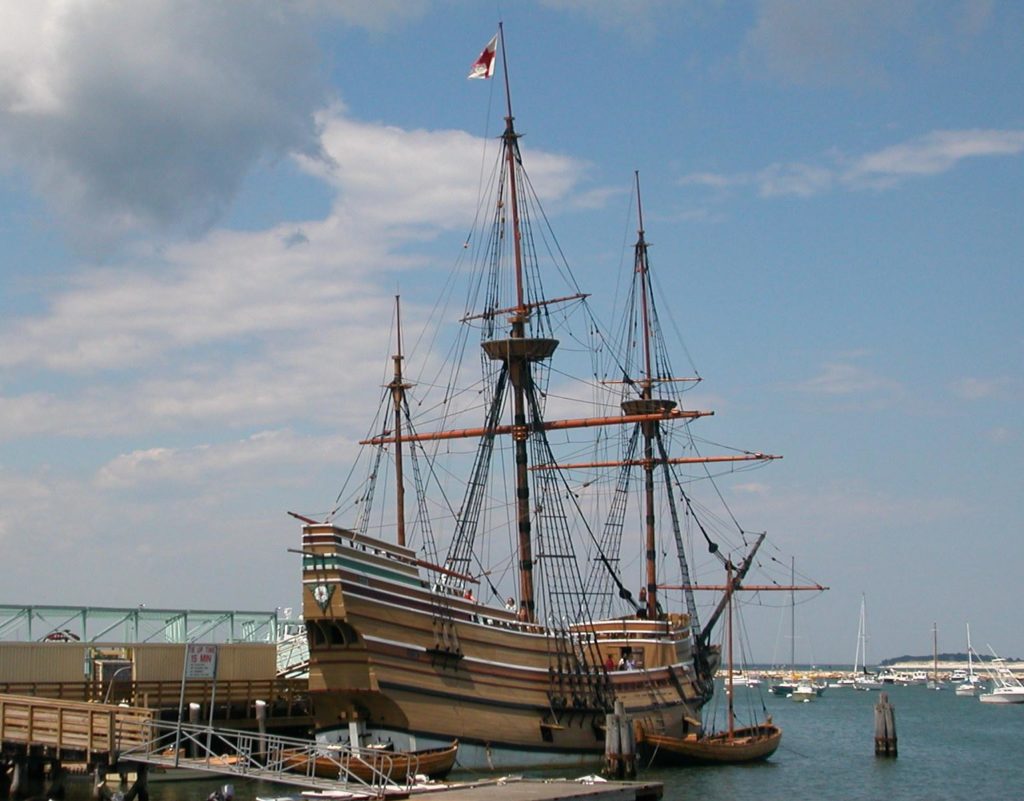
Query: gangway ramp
[{"x": 365, "y": 773}]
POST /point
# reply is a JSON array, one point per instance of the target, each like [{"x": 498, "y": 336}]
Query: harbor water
[{"x": 949, "y": 747}]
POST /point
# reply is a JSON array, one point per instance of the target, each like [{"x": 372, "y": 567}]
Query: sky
[{"x": 207, "y": 209}]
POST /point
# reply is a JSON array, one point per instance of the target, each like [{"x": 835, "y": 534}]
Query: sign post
[{"x": 200, "y": 663}]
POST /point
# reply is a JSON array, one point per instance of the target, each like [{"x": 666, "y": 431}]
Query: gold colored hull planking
[{"x": 380, "y": 658}]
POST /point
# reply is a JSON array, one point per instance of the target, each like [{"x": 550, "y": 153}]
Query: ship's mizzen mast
[
  {"x": 647, "y": 403},
  {"x": 648, "y": 410}
]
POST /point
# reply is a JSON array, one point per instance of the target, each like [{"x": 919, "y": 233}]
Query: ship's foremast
[{"x": 398, "y": 388}]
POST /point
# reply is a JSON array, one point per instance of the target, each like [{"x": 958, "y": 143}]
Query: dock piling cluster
[{"x": 885, "y": 727}]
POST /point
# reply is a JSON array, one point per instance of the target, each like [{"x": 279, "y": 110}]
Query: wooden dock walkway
[
  {"x": 517, "y": 789},
  {"x": 37, "y": 732},
  {"x": 514, "y": 788}
]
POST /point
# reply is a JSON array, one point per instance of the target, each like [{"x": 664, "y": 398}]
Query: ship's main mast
[{"x": 517, "y": 355}]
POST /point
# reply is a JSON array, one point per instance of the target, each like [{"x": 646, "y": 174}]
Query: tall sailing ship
[{"x": 402, "y": 649}]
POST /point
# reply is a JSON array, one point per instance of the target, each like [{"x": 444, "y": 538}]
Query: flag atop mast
[{"x": 483, "y": 67}]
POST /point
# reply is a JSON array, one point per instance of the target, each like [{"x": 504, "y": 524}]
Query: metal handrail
[{"x": 286, "y": 760}]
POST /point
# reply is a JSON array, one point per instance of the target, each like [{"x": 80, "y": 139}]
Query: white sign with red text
[{"x": 201, "y": 661}]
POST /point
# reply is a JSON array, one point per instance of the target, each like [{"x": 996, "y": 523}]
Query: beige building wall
[{"x": 72, "y": 661}]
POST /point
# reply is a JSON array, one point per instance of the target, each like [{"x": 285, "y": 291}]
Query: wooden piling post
[
  {"x": 612, "y": 747},
  {"x": 100, "y": 790},
  {"x": 193, "y": 718},
  {"x": 19, "y": 777},
  {"x": 627, "y": 742},
  {"x": 885, "y": 727},
  {"x": 56, "y": 786},
  {"x": 619, "y": 745},
  {"x": 261, "y": 723},
  {"x": 140, "y": 789}
]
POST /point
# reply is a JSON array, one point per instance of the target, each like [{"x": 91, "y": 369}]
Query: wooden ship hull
[
  {"x": 747, "y": 744},
  {"x": 393, "y": 661},
  {"x": 399, "y": 766}
]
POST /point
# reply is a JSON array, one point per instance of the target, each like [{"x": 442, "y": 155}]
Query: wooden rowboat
[
  {"x": 746, "y": 744},
  {"x": 399, "y": 766},
  {"x": 734, "y": 745}
]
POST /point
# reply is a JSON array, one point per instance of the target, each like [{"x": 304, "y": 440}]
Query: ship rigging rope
[
  {"x": 684, "y": 568},
  {"x": 712, "y": 545},
  {"x": 602, "y": 557},
  {"x": 352, "y": 467}
]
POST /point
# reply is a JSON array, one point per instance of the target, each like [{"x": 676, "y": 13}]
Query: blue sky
[{"x": 206, "y": 211}]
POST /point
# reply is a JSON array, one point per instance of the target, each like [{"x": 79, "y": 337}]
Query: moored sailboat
[
  {"x": 970, "y": 685},
  {"x": 862, "y": 679},
  {"x": 933, "y": 682},
  {"x": 792, "y": 683},
  {"x": 400, "y": 647}
]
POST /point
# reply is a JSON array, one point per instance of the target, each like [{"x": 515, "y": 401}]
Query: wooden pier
[
  {"x": 71, "y": 729},
  {"x": 519, "y": 789},
  {"x": 40, "y": 736}
]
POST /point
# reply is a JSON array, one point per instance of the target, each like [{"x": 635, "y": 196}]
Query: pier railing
[
  {"x": 237, "y": 694},
  {"x": 293, "y": 656},
  {"x": 285, "y": 760},
  {"x": 72, "y": 727}
]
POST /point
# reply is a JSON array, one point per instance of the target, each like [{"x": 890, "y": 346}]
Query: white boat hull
[{"x": 997, "y": 697}]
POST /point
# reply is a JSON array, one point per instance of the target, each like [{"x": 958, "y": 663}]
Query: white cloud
[
  {"x": 1002, "y": 435},
  {"x": 974, "y": 389},
  {"x": 136, "y": 115},
  {"x": 250, "y": 328},
  {"x": 855, "y": 45},
  {"x": 200, "y": 463},
  {"x": 847, "y": 380},
  {"x": 227, "y": 288},
  {"x": 713, "y": 180},
  {"x": 802, "y": 180},
  {"x": 636, "y": 20},
  {"x": 824, "y": 41},
  {"x": 379, "y": 15},
  {"x": 431, "y": 176},
  {"x": 755, "y": 488},
  {"x": 932, "y": 154}
]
